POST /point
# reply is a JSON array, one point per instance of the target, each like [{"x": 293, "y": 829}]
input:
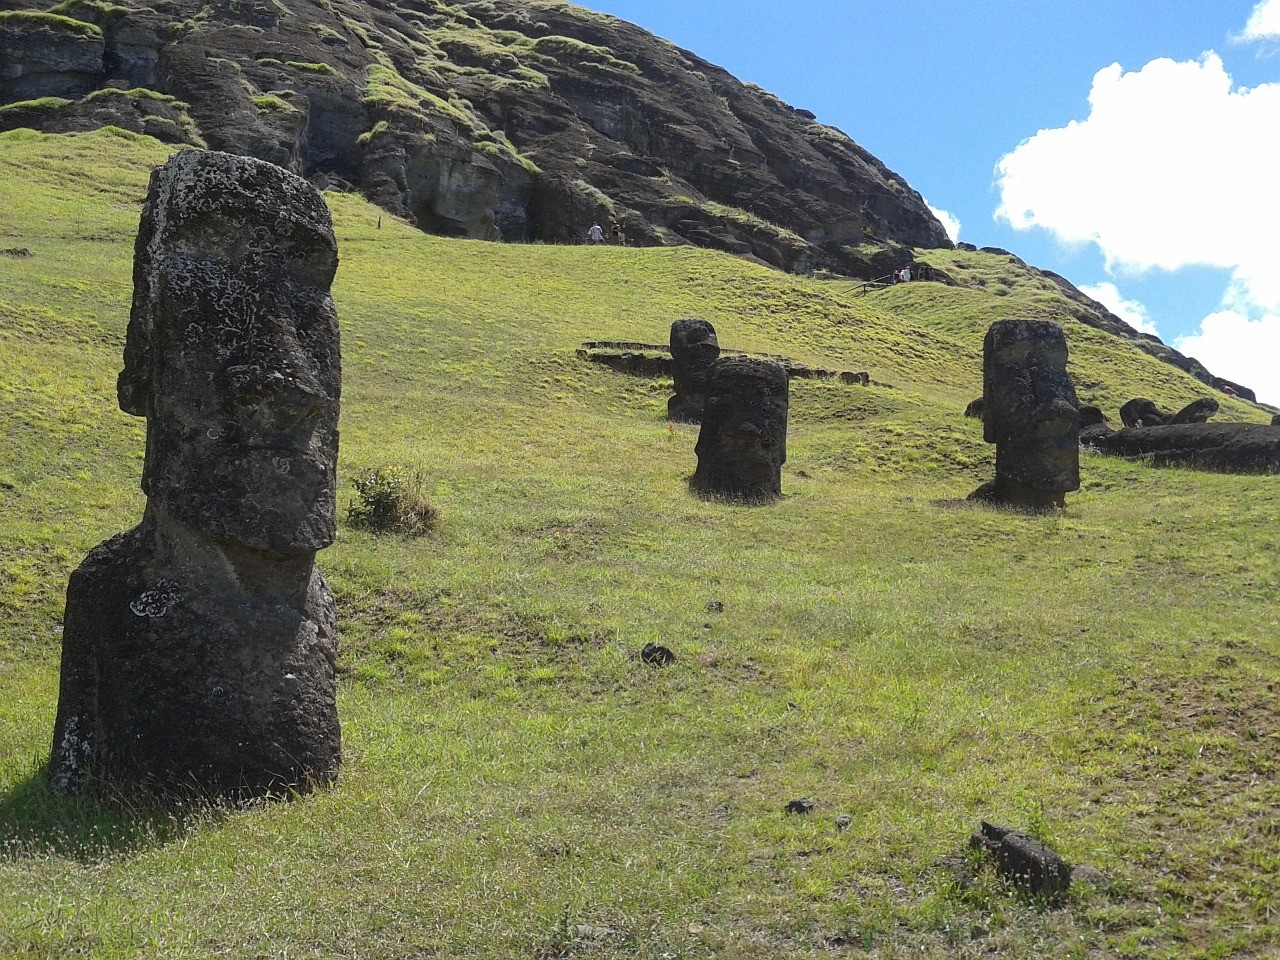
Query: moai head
[
  {"x": 1030, "y": 408},
  {"x": 232, "y": 352},
  {"x": 743, "y": 441},
  {"x": 694, "y": 348}
]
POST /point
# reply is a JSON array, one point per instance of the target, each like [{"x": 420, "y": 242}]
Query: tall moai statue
[
  {"x": 1030, "y": 413},
  {"x": 199, "y": 647},
  {"x": 694, "y": 348},
  {"x": 743, "y": 441}
]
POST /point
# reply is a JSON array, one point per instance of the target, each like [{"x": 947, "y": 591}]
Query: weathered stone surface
[
  {"x": 139, "y": 111},
  {"x": 1025, "y": 862},
  {"x": 743, "y": 441},
  {"x": 1226, "y": 447},
  {"x": 1030, "y": 414},
  {"x": 199, "y": 648},
  {"x": 1197, "y": 411},
  {"x": 694, "y": 348},
  {"x": 48, "y": 56},
  {"x": 1141, "y": 412}
]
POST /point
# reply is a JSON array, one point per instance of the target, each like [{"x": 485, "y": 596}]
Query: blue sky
[{"x": 1157, "y": 188}]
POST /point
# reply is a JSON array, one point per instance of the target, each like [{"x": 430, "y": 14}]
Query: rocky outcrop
[
  {"x": 199, "y": 648},
  {"x": 509, "y": 119}
]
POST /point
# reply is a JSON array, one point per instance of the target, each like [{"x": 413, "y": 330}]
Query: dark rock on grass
[
  {"x": 16, "y": 253},
  {"x": 1029, "y": 413},
  {"x": 199, "y": 648},
  {"x": 1197, "y": 411},
  {"x": 1225, "y": 447},
  {"x": 743, "y": 441},
  {"x": 1025, "y": 862},
  {"x": 844, "y": 822},
  {"x": 694, "y": 348},
  {"x": 1091, "y": 416},
  {"x": 1141, "y": 412},
  {"x": 799, "y": 807},
  {"x": 715, "y": 606},
  {"x": 656, "y": 655},
  {"x": 974, "y": 410}
]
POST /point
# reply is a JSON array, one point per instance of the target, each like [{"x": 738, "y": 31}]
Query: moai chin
[
  {"x": 694, "y": 348},
  {"x": 199, "y": 648},
  {"x": 743, "y": 441},
  {"x": 1030, "y": 413}
]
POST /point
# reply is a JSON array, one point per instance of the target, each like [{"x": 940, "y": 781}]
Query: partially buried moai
[
  {"x": 694, "y": 348},
  {"x": 1030, "y": 413},
  {"x": 199, "y": 648},
  {"x": 743, "y": 441}
]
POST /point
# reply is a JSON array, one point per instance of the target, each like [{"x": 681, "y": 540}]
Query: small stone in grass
[{"x": 657, "y": 655}]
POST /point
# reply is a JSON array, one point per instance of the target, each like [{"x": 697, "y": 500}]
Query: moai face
[
  {"x": 1030, "y": 408},
  {"x": 233, "y": 353}
]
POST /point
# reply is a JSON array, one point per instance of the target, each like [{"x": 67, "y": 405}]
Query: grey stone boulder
[{"x": 1023, "y": 861}]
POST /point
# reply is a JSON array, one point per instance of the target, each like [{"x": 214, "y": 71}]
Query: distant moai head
[
  {"x": 743, "y": 441},
  {"x": 232, "y": 352},
  {"x": 694, "y": 348},
  {"x": 1030, "y": 411}
]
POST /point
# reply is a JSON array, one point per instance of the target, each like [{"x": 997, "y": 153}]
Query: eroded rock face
[
  {"x": 1030, "y": 413},
  {"x": 1226, "y": 447},
  {"x": 199, "y": 648},
  {"x": 743, "y": 441},
  {"x": 48, "y": 56},
  {"x": 694, "y": 348}
]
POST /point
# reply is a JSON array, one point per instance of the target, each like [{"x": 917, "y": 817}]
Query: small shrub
[{"x": 390, "y": 500}]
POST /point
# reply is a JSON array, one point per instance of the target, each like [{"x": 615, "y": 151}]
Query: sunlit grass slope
[{"x": 517, "y": 783}]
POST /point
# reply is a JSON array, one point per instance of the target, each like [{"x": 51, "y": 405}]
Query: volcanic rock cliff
[{"x": 493, "y": 119}]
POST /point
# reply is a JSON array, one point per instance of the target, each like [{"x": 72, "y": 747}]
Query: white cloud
[
  {"x": 1130, "y": 311},
  {"x": 1239, "y": 348},
  {"x": 1175, "y": 166},
  {"x": 950, "y": 222},
  {"x": 1264, "y": 23}
]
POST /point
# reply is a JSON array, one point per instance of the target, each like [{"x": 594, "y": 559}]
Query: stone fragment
[
  {"x": 743, "y": 441},
  {"x": 799, "y": 807},
  {"x": 1087, "y": 873},
  {"x": 694, "y": 348},
  {"x": 657, "y": 655},
  {"x": 974, "y": 410},
  {"x": 1197, "y": 411},
  {"x": 1029, "y": 413},
  {"x": 844, "y": 822},
  {"x": 1028, "y": 864},
  {"x": 1275, "y": 420},
  {"x": 1141, "y": 412},
  {"x": 715, "y": 606},
  {"x": 199, "y": 648}
]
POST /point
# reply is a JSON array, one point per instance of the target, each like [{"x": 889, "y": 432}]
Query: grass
[
  {"x": 48, "y": 21},
  {"x": 516, "y": 782}
]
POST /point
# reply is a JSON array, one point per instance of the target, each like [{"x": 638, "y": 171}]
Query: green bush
[{"x": 390, "y": 500}]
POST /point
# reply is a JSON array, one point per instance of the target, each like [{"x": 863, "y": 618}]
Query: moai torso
[{"x": 743, "y": 441}]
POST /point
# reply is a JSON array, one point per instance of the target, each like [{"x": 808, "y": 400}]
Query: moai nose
[{"x": 287, "y": 401}]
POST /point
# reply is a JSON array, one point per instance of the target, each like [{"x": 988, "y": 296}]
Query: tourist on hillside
[
  {"x": 615, "y": 235},
  {"x": 595, "y": 234}
]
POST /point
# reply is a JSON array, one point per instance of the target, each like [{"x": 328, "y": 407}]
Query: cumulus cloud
[
  {"x": 1264, "y": 23},
  {"x": 1175, "y": 166},
  {"x": 1130, "y": 311},
  {"x": 1239, "y": 348},
  {"x": 950, "y": 222}
]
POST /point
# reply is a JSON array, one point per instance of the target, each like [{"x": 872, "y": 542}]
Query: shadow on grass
[{"x": 36, "y": 820}]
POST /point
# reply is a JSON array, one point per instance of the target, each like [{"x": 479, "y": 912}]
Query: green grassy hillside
[{"x": 517, "y": 783}]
